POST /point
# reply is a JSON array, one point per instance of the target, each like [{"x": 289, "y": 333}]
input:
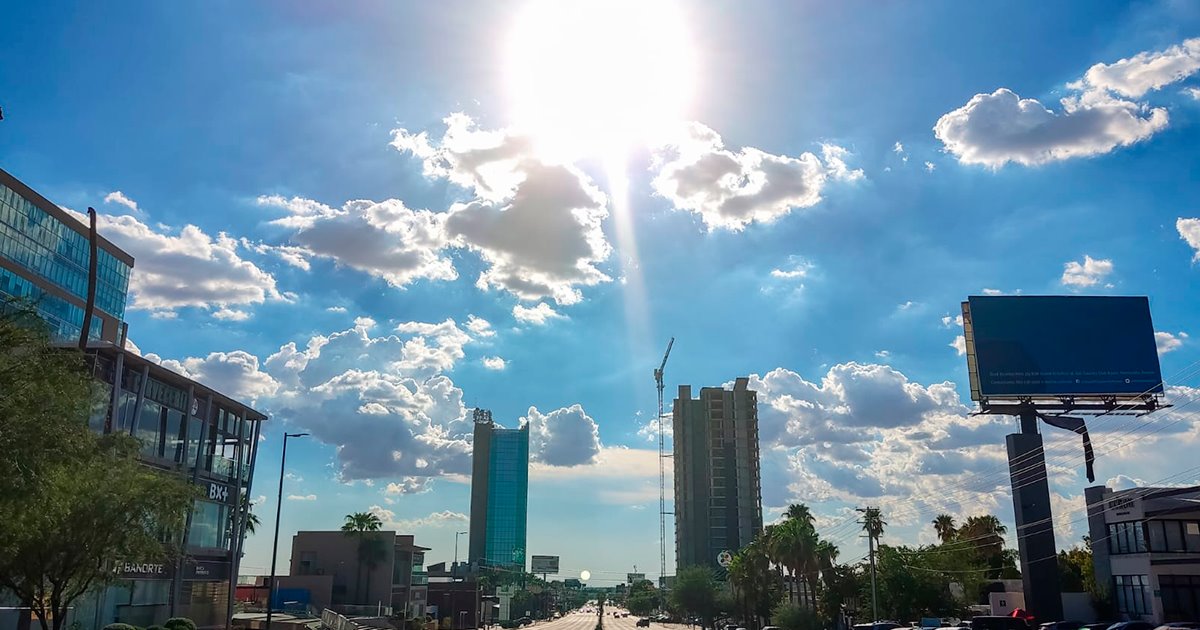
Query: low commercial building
[
  {"x": 395, "y": 581},
  {"x": 1146, "y": 548}
]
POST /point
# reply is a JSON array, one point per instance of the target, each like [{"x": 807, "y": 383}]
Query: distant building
[
  {"x": 499, "y": 494},
  {"x": 397, "y": 581},
  {"x": 44, "y": 259},
  {"x": 718, "y": 495},
  {"x": 1146, "y": 550}
]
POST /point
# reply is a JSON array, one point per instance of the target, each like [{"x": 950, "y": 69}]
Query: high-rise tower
[{"x": 499, "y": 494}]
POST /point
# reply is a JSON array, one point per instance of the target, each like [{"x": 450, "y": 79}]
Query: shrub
[
  {"x": 119, "y": 626},
  {"x": 792, "y": 617},
  {"x": 155, "y": 627},
  {"x": 179, "y": 623}
]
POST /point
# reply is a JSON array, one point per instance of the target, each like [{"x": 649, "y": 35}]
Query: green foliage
[
  {"x": 643, "y": 598},
  {"x": 71, "y": 500},
  {"x": 155, "y": 627},
  {"x": 694, "y": 593},
  {"x": 789, "y": 616},
  {"x": 119, "y": 626},
  {"x": 179, "y": 623}
]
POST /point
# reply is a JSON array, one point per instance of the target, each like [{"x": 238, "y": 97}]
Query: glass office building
[
  {"x": 499, "y": 494},
  {"x": 44, "y": 259}
]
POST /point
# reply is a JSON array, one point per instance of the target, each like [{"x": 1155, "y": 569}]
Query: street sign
[{"x": 724, "y": 559}]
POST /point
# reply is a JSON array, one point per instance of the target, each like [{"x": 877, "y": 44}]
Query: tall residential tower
[
  {"x": 718, "y": 495},
  {"x": 499, "y": 494}
]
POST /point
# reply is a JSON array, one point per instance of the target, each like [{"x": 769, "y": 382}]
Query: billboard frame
[
  {"x": 553, "y": 565},
  {"x": 1103, "y": 404}
]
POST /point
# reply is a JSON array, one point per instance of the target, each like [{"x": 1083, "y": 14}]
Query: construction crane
[{"x": 662, "y": 473}]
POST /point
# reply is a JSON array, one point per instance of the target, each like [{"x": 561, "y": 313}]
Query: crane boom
[{"x": 662, "y": 475}]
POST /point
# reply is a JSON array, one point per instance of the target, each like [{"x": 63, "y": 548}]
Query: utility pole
[{"x": 868, "y": 514}]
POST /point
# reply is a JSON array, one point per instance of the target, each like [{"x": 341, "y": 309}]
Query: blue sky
[{"x": 361, "y": 183}]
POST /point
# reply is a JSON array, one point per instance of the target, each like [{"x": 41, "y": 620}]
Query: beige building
[{"x": 395, "y": 580}]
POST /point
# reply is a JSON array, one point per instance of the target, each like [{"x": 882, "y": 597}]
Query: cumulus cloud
[
  {"x": 731, "y": 189},
  {"x": 956, "y": 320},
  {"x": 302, "y": 497},
  {"x": 1088, "y": 273},
  {"x": 1001, "y": 127},
  {"x": 563, "y": 437},
  {"x": 494, "y": 363},
  {"x": 536, "y": 315},
  {"x": 235, "y": 374},
  {"x": 480, "y": 327},
  {"x": 1144, "y": 72},
  {"x": 959, "y": 344},
  {"x": 381, "y": 400},
  {"x": 538, "y": 226},
  {"x": 1166, "y": 342},
  {"x": 230, "y": 314},
  {"x": 1189, "y": 231},
  {"x": 408, "y": 485},
  {"x": 384, "y": 239},
  {"x": 187, "y": 269},
  {"x": 1124, "y": 482},
  {"x": 119, "y": 198},
  {"x": 444, "y": 518}
]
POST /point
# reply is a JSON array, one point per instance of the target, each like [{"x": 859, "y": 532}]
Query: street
[{"x": 587, "y": 621}]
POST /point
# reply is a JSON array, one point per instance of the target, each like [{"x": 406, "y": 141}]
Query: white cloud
[
  {"x": 906, "y": 305},
  {"x": 494, "y": 363},
  {"x": 1189, "y": 231},
  {"x": 259, "y": 500},
  {"x": 898, "y": 148},
  {"x": 1144, "y": 72},
  {"x": 537, "y": 315},
  {"x": 336, "y": 309},
  {"x": 229, "y": 314},
  {"x": 649, "y": 430},
  {"x": 538, "y": 226},
  {"x": 444, "y": 518},
  {"x": 731, "y": 189},
  {"x": 188, "y": 269},
  {"x": 382, "y": 401},
  {"x": 235, "y": 374},
  {"x": 956, "y": 320},
  {"x": 384, "y": 239},
  {"x": 1088, "y": 273},
  {"x": 960, "y": 345},
  {"x": 1123, "y": 482},
  {"x": 480, "y": 327},
  {"x": 408, "y": 485},
  {"x": 883, "y": 354},
  {"x": 1001, "y": 127},
  {"x": 563, "y": 437},
  {"x": 1166, "y": 342},
  {"x": 790, "y": 274},
  {"x": 119, "y": 197},
  {"x": 1193, "y": 92},
  {"x": 302, "y": 497}
]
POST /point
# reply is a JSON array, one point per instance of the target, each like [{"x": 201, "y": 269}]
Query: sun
[{"x": 596, "y": 77}]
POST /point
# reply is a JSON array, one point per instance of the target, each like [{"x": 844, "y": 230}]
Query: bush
[
  {"x": 155, "y": 627},
  {"x": 179, "y": 623},
  {"x": 119, "y": 626},
  {"x": 792, "y": 617}
]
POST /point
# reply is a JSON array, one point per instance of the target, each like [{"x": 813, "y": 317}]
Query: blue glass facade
[
  {"x": 48, "y": 251},
  {"x": 508, "y": 498}
]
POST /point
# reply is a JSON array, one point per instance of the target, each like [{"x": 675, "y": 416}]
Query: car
[
  {"x": 643, "y": 623},
  {"x": 771, "y": 628},
  {"x": 1132, "y": 625},
  {"x": 524, "y": 621},
  {"x": 1180, "y": 625},
  {"x": 990, "y": 622},
  {"x": 1101, "y": 625},
  {"x": 1061, "y": 625},
  {"x": 878, "y": 625}
]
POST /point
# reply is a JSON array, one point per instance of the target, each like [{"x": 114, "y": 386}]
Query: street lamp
[
  {"x": 456, "y": 535},
  {"x": 278, "y": 510}
]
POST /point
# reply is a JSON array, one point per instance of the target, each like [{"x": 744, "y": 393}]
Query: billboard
[
  {"x": 543, "y": 564},
  {"x": 1049, "y": 346},
  {"x": 630, "y": 578}
]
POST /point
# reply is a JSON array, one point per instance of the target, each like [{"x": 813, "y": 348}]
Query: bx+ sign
[
  {"x": 218, "y": 492},
  {"x": 1051, "y": 346}
]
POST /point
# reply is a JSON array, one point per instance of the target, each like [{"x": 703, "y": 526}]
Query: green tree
[
  {"x": 751, "y": 578},
  {"x": 643, "y": 598},
  {"x": 694, "y": 593},
  {"x": 362, "y": 526},
  {"x": 73, "y": 503},
  {"x": 944, "y": 526},
  {"x": 985, "y": 535},
  {"x": 790, "y": 616}
]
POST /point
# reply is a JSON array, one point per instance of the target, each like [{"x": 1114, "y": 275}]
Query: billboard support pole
[{"x": 1035, "y": 525}]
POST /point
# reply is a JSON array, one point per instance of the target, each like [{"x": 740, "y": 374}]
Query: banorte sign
[{"x": 144, "y": 570}]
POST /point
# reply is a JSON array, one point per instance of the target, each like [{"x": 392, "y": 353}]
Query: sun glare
[{"x": 593, "y": 77}]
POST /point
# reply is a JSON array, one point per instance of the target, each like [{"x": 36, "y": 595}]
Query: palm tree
[
  {"x": 873, "y": 522},
  {"x": 985, "y": 534},
  {"x": 800, "y": 512},
  {"x": 944, "y": 526},
  {"x": 359, "y": 526}
]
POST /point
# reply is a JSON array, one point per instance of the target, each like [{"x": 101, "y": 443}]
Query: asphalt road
[{"x": 587, "y": 621}]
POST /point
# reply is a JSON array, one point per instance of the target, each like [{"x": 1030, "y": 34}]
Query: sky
[{"x": 367, "y": 219}]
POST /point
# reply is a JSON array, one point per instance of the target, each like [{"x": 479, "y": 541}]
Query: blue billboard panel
[{"x": 1031, "y": 346}]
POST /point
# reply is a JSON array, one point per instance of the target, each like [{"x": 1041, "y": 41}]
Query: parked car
[
  {"x": 1132, "y": 625},
  {"x": 878, "y": 625},
  {"x": 990, "y": 622},
  {"x": 643, "y": 623},
  {"x": 524, "y": 621},
  {"x": 1101, "y": 625},
  {"x": 1180, "y": 625},
  {"x": 1061, "y": 625}
]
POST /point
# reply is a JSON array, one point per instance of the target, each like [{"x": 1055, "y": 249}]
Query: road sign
[
  {"x": 724, "y": 559},
  {"x": 543, "y": 564}
]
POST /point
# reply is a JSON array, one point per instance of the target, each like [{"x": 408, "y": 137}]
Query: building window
[
  {"x": 1170, "y": 536},
  {"x": 209, "y": 525},
  {"x": 1131, "y": 594},
  {"x": 1180, "y": 597},
  {"x": 1129, "y": 537}
]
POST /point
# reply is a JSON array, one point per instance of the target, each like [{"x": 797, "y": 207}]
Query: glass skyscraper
[
  {"x": 499, "y": 494},
  {"x": 44, "y": 259}
]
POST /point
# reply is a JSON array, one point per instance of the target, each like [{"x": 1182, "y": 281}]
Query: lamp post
[
  {"x": 456, "y": 535},
  {"x": 278, "y": 510}
]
